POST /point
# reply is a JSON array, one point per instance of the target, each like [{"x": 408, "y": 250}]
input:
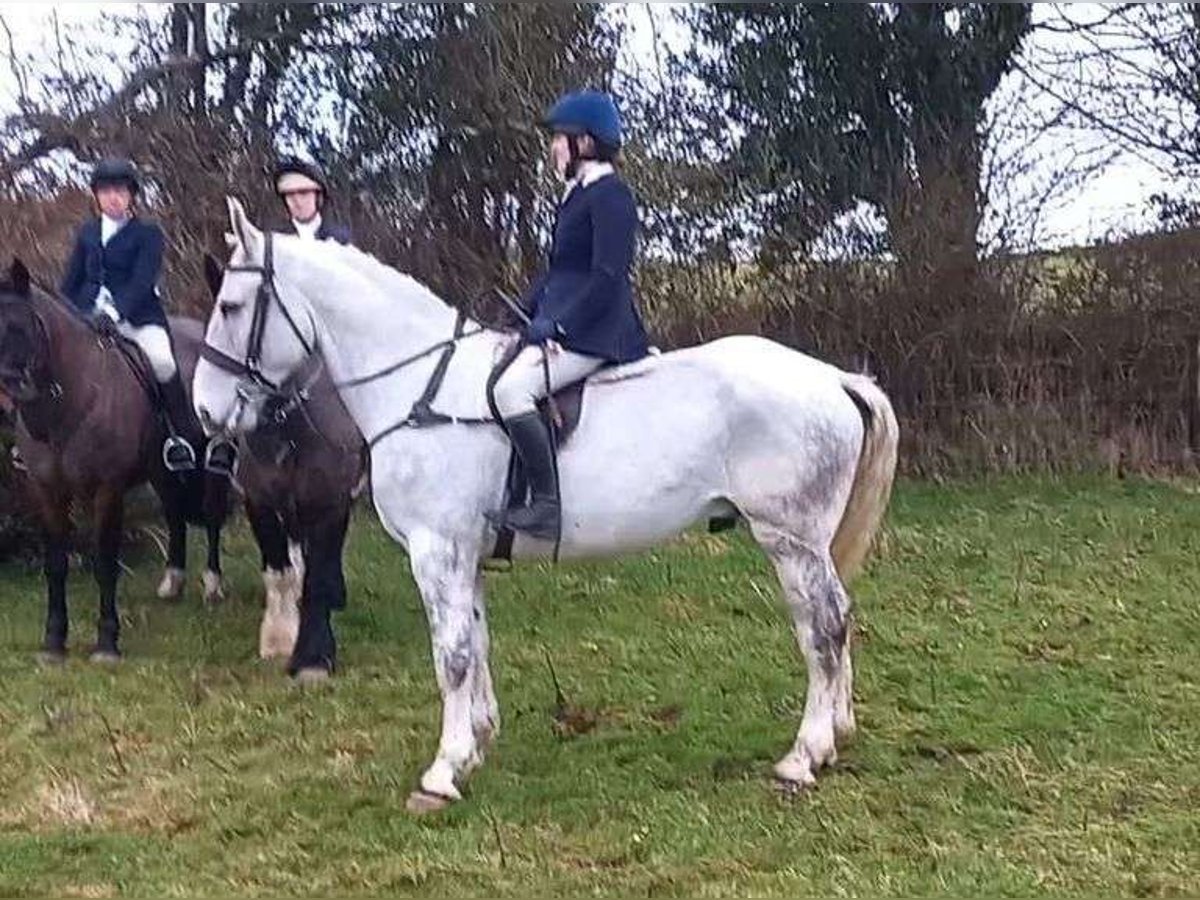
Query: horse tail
[{"x": 872, "y": 478}]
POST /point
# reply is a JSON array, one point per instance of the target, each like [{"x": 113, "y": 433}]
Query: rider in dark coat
[
  {"x": 112, "y": 276},
  {"x": 583, "y": 310},
  {"x": 304, "y": 190}
]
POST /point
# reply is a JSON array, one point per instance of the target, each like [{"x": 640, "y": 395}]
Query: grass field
[{"x": 1028, "y": 705}]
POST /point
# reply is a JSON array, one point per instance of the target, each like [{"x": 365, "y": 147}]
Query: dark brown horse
[
  {"x": 299, "y": 473},
  {"x": 88, "y": 431}
]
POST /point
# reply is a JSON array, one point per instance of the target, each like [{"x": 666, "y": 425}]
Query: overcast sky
[{"x": 1115, "y": 200}]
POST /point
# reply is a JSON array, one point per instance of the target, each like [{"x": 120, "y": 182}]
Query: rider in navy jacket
[
  {"x": 583, "y": 312},
  {"x": 128, "y": 265},
  {"x": 304, "y": 189},
  {"x": 585, "y": 300},
  {"x": 112, "y": 277}
]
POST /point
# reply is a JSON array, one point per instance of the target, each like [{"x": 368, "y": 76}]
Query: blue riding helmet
[{"x": 587, "y": 112}]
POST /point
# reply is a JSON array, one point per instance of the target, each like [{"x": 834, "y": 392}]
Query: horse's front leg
[
  {"x": 174, "y": 576},
  {"x": 54, "y": 511},
  {"x": 281, "y": 584},
  {"x": 214, "y": 510},
  {"x": 214, "y": 584},
  {"x": 315, "y": 654},
  {"x": 109, "y": 510},
  {"x": 446, "y": 573}
]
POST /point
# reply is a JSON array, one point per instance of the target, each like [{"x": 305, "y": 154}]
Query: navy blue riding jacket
[
  {"x": 333, "y": 231},
  {"x": 587, "y": 292},
  {"x": 329, "y": 231},
  {"x": 129, "y": 266}
]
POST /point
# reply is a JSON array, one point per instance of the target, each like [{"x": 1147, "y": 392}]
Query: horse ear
[
  {"x": 18, "y": 275},
  {"x": 245, "y": 232},
  {"x": 214, "y": 274}
]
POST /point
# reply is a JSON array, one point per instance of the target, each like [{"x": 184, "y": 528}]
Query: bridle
[
  {"x": 250, "y": 368},
  {"x": 254, "y": 385}
]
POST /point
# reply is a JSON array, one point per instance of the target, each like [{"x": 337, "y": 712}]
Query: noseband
[
  {"x": 253, "y": 382},
  {"x": 250, "y": 369}
]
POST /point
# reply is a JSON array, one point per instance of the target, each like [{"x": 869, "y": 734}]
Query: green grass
[{"x": 1027, "y": 699}]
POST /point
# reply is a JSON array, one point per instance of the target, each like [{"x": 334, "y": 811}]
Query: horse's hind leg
[
  {"x": 485, "y": 709},
  {"x": 281, "y": 609},
  {"x": 109, "y": 515},
  {"x": 214, "y": 511},
  {"x": 175, "y": 575},
  {"x": 214, "y": 588},
  {"x": 820, "y": 611}
]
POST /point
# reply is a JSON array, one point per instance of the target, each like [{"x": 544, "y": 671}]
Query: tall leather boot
[
  {"x": 542, "y": 517},
  {"x": 179, "y": 449}
]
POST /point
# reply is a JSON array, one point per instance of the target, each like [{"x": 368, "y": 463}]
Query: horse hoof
[
  {"x": 171, "y": 586},
  {"x": 54, "y": 658},
  {"x": 311, "y": 677},
  {"x": 787, "y": 787},
  {"x": 271, "y": 651},
  {"x": 105, "y": 657},
  {"x": 423, "y": 803},
  {"x": 214, "y": 590}
]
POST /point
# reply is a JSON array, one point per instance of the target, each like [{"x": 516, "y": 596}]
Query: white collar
[
  {"x": 308, "y": 230},
  {"x": 590, "y": 171},
  {"x": 110, "y": 226}
]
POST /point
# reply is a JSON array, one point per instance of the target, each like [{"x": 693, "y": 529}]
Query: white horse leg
[
  {"x": 485, "y": 710},
  {"x": 820, "y": 607},
  {"x": 171, "y": 586},
  {"x": 447, "y": 578},
  {"x": 281, "y": 614},
  {"x": 844, "y": 724}
]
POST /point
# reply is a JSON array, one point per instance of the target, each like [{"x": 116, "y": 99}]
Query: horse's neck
[
  {"x": 366, "y": 328},
  {"x": 72, "y": 357},
  {"x": 67, "y": 339}
]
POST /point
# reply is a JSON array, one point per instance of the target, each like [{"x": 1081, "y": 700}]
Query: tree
[
  {"x": 842, "y": 104},
  {"x": 444, "y": 139}
]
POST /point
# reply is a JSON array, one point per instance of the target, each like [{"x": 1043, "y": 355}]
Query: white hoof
[
  {"x": 793, "y": 774},
  {"x": 214, "y": 589},
  {"x": 171, "y": 586},
  {"x": 438, "y": 780},
  {"x": 811, "y": 754}
]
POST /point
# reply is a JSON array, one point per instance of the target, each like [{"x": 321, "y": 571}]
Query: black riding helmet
[
  {"x": 115, "y": 171},
  {"x": 292, "y": 165}
]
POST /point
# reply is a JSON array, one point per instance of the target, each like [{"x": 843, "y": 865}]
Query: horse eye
[{"x": 228, "y": 309}]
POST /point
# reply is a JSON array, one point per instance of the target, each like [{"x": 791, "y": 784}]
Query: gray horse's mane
[{"x": 390, "y": 279}]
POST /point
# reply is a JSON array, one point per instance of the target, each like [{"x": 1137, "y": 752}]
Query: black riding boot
[
  {"x": 541, "y": 518},
  {"x": 179, "y": 449}
]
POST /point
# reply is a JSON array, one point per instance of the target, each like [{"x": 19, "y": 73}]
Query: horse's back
[{"x": 736, "y": 365}]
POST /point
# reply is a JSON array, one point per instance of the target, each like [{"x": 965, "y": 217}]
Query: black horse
[{"x": 299, "y": 473}]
